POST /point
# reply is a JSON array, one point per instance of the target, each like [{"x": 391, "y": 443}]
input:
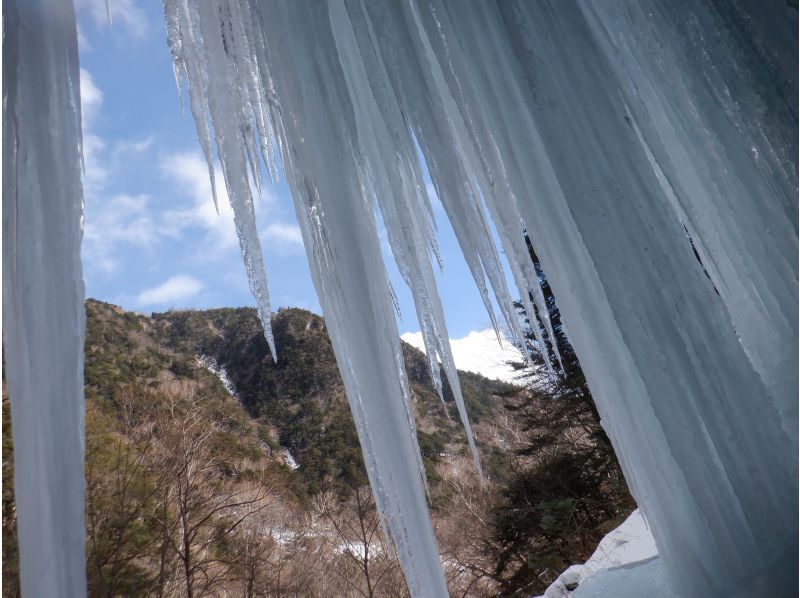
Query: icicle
[
  {"x": 190, "y": 65},
  {"x": 43, "y": 292},
  {"x": 174, "y": 44},
  {"x": 395, "y": 300},
  {"x": 402, "y": 205},
  {"x": 209, "y": 60}
]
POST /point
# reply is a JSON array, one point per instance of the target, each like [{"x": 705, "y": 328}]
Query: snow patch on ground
[
  {"x": 637, "y": 580},
  {"x": 629, "y": 544},
  {"x": 478, "y": 352},
  {"x": 219, "y": 371},
  {"x": 289, "y": 459}
]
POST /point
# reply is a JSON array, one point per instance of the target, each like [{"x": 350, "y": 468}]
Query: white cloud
[
  {"x": 91, "y": 97},
  {"x": 122, "y": 219},
  {"x": 100, "y": 157},
  {"x": 124, "y": 147},
  {"x": 126, "y": 14},
  {"x": 95, "y": 169},
  {"x": 176, "y": 288},
  {"x": 83, "y": 43},
  {"x": 189, "y": 172},
  {"x": 189, "y": 175},
  {"x": 95, "y": 173},
  {"x": 478, "y": 352},
  {"x": 282, "y": 237},
  {"x": 110, "y": 220}
]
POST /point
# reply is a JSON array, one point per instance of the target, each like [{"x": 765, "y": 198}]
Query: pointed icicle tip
[
  {"x": 214, "y": 188},
  {"x": 271, "y": 342}
]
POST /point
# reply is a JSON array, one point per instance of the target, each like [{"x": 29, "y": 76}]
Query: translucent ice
[
  {"x": 607, "y": 131},
  {"x": 43, "y": 312}
]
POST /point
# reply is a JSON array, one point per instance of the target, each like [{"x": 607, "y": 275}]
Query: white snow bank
[
  {"x": 220, "y": 372},
  {"x": 644, "y": 578},
  {"x": 289, "y": 459},
  {"x": 630, "y": 543}
]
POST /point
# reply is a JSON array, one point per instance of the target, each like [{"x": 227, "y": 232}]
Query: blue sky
[{"x": 153, "y": 240}]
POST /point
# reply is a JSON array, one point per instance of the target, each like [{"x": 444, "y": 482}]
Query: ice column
[
  {"x": 698, "y": 433},
  {"x": 43, "y": 310}
]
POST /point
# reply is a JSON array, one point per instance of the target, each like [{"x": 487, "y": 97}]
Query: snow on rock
[
  {"x": 632, "y": 542},
  {"x": 219, "y": 371},
  {"x": 289, "y": 459},
  {"x": 643, "y": 579}
]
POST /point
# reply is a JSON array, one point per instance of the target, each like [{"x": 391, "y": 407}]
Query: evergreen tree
[
  {"x": 560, "y": 399},
  {"x": 554, "y": 510}
]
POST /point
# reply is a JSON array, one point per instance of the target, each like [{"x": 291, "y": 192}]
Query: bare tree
[
  {"x": 250, "y": 557},
  {"x": 201, "y": 509},
  {"x": 356, "y": 527},
  {"x": 275, "y": 554},
  {"x": 463, "y": 526}
]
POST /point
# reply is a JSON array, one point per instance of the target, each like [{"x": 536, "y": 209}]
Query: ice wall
[
  {"x": 722, "y": 136},
  {"x": 607, "y": 130},
  {"x": 43, "y": 311}
]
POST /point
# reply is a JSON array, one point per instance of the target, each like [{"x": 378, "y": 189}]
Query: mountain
[
  {"x": 188, "y": 417},
  {"x": 298, "y": 405}
]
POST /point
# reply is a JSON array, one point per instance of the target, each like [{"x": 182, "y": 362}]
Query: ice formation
[
  {"x": 645, "y": 578},
  {"x": 607, "y": 130},
  {"x": 43, "y": 312},
  {"x": 628, "y": 544}
]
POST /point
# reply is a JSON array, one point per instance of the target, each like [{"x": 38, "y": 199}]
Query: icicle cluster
[
  {"x": 606, "y": 130},
  {"x": 210, "y": 47}
]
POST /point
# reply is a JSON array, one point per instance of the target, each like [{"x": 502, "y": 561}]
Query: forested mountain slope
[
  {"x": 191, "y": 426},
  {"x": 301, "y": 399},
  {"x": 197, "y": 391}
]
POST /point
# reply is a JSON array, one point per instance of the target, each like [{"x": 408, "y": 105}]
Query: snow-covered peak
[{"x": 478, "y": 352}]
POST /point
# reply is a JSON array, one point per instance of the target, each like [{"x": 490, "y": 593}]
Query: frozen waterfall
[{"x": 607, "y": 130}]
